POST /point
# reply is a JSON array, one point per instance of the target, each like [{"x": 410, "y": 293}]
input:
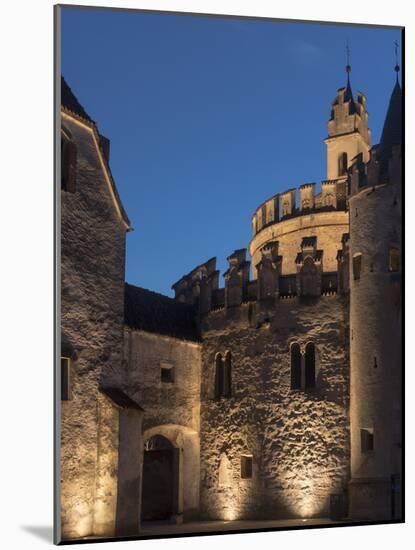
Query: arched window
[
  {"x": 68, "y": 163},
  {"x": 342, "y": 164},
  {"x": 310, "y": 366},
  {"x": 295, "y": 367},
  {"x": 218, "y": 376},
  {"x": 227, "y": 375}
]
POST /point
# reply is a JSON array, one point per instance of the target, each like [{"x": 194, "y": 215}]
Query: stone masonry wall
[
  {"x": 92, "y": 295},
  {"x": 328, "y": 227},
  {"x": 170, "y": 409},
  {"x": 376, "y": 354},
  {"x": 299, "y": 439}
]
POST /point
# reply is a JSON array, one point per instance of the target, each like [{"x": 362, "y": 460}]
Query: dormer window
[{"x": 68, "y": 162}]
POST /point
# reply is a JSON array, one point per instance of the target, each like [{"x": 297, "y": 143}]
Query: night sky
[{"x": 208, "y": 117}]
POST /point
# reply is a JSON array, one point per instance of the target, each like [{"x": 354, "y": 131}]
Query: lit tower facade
[
  {"x": 348, "y": 132},
  {"x": 375, "y": 324}
]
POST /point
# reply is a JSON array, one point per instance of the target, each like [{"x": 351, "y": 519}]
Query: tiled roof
[
  {"x": 153, "y": 312},
  {"x": 69, "y": 101}
]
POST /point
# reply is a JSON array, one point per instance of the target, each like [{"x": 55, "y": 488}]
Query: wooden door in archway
[{"x": 160, "y": 480}]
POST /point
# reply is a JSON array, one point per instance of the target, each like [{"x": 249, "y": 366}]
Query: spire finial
[
  {"x": 348, "y": 67},
  {"x": 397, "y": 67}
]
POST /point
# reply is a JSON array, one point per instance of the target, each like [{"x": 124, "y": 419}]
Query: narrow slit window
[
  {"x": 65, "y": 379},
  {"x": 246, "y": 466},
  {"x": 166, "y": 373},
  {"x": 218, "y": 376},
  {"x": 357, "y": 266},
  {"x": 227, "y": 375},
  {"x": 342, "y": 164},
  {"x": 394, "y": 259},
  {"x": 366, "y": 440}
]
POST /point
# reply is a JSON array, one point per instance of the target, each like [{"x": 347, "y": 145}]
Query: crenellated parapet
[
  {"x": 377, "y": 171},
  {"x": 299, "y": 202},
  {"x": 200, "y": 287}
]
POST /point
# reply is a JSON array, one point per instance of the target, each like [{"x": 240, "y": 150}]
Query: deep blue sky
[{"x": 208, "y": 117}]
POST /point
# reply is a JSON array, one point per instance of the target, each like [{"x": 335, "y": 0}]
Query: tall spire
[
  {"x": 392, "y": 128},
  {"x": 397, "y": 68},
  {"x": 348, "y": 95}
]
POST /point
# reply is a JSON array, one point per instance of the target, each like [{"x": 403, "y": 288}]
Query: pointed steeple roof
[
  {"x": 70, "y": 101},
  {"x": 392, "y": 128},
  {"x": 348, "y": 94}
]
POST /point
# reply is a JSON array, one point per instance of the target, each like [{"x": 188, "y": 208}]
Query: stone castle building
[{"x": 277, "y": 395}]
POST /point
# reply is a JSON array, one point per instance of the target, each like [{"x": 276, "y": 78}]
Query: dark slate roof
[
  {"x": 392, "y": 128},
  {"x": 69, "y": 101},
  {"x": 120, "y": 398},
  {"x": 153, "y": 312}
]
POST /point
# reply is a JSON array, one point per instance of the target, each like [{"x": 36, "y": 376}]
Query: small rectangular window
[
  {"x": 166, "y": 372},
  {"x": 246, "y": 466},
  {"x": 65, "y": 379},
  {"x": 366, "y": 439},
  {"x": 357, "y": 266},
  {"x": 394, "y": 259}
]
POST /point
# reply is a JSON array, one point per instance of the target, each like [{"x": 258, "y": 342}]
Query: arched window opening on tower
[
  {"x": 310, "y": 366},
  {"x": 357, "y": 266},
  {"x": 218, "y": 376},
  {"x": 394, "y": 259},
  {"x": 342, "y": 164},
  {"x": 68, "y": 163},
  {"x": 66, "y": 393},
  {"x": 295, "y": 367},
  {"x": 227, "y": 375}
]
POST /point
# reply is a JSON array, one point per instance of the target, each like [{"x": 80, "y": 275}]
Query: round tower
[{"x": 375, "y": 325}]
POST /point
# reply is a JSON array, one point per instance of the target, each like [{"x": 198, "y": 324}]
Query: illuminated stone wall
[
  {"x": 299, "y": 440},
  {"x": 328, "y": 227},
  {"x": 376, "y": 355},
  {"x": 92, "y": 294},
  {"x": 170, "y": 409}
]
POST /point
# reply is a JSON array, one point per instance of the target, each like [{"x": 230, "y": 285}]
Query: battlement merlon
[
  {"x": 200, "y": 287},
  {"x": 285, "y": 205},
  {"x": 376, "y": 171}
]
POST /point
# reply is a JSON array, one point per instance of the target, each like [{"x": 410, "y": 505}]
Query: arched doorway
[{"x": 160, "y": 479}]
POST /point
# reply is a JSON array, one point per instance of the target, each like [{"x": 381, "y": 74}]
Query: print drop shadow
[{"x": 43, "y": 532}]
